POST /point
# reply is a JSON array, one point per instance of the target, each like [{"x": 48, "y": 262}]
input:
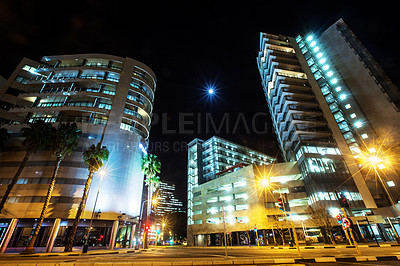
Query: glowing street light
[
  {"x": 264, "y": 182},
  {"x": 210, "y": 91}
]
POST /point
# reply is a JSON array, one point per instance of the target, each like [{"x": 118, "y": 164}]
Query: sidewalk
[{"x": 202, "y": 260}]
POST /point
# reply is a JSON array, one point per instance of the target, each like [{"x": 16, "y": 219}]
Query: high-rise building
[
  {"x": 207, "y": 160},
  {"x": 106, "y": 96},
  {"x": 166, "y": 199},
  {"x": 335, "y": 112}
]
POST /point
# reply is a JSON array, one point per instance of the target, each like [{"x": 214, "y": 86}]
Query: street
[{"x": 216, "y": 255}]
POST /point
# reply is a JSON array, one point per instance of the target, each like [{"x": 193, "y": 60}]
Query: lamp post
[
  {"x": 86, "y": 245},
  {"x": 376, "y": 160}
]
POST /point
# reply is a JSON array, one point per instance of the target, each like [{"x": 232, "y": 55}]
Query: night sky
[{"x": 190, "y": 45}]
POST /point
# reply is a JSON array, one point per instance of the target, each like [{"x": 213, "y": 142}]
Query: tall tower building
[
  {"x": 166, "y": 199},
  {"x": 105, "y": 96},
  {"x": 332, "y": 107}
]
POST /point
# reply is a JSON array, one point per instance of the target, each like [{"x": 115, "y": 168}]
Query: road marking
[{"x": 325, "y": 259}]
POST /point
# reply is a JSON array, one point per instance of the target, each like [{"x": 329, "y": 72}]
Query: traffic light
[
  {"x": 280, "y": 204},
  {"x": 343, "y": 202},
  {"x": 339, "y": 218}
]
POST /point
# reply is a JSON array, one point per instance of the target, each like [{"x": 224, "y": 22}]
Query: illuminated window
[
  {"x": 364, "y": 136},
  {"x": 347, "y": 106},
  {"x": 213, "y": 221},
  {"x": 242, "y": 207},
  {"x": 211, "y": 200},
  {"x": 241, "y": 196},
  {"x": 391, "y": 184},
  {"x": 353, "y": 115},
  {"x": 212, "y": 210},
  {"x": 243, "y": 220},
  {"x": 229, "y": 208},
  {"x": 239, "y": 184},
  {"x": 358, "y": 124},
  {"x": 226, "y": 198}
]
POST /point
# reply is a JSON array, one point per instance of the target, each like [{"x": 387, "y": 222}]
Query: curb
[
  {"x": 228, "y": 261},
  {"x": 124, "y": 251}
]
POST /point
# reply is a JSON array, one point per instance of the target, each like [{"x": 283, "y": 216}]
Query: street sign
[{"x": 346, "y": 223}]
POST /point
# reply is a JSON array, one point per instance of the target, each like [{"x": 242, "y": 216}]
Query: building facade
[
  {"x": 166, "y": 199},
  {"x": 319, "y": 88},
  {"x": 239, "y": 202},
  {"x": 208, "y": 160},
  {"x": 109, "y": 98}
]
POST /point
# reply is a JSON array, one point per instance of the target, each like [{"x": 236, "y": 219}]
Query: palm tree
[
  {"x": 36, "y": 137},
  {"x": 93, "y": 157},
  {"x": 151, "y": 166},
  {"x": 64, "y": 139}
]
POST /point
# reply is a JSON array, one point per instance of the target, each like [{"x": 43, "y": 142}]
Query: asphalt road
[{"x": 207, "y": 254}]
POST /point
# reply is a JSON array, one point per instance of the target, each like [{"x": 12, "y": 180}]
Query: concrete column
[
  {"x": 53, "y": 235},
  {"x": 113, "y": 235},
  {"x": 8, "y": 235},
  {"x": 132, "y": 235}
]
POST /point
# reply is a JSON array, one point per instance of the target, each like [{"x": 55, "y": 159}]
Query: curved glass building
[{"x": 110, "y": 98}]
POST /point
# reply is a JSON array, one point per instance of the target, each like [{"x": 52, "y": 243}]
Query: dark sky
[{"x": 189, "y": 44}]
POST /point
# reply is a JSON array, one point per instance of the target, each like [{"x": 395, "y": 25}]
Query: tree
[
  {"x": 63, "y": 140},
  {"x": 37, "y": 136},
  {"x": 321, "y": 217},
  {"x": 151, "y": 166},
  {"x": 93, "y": 157},
  {"x": 279, "y": 226}
]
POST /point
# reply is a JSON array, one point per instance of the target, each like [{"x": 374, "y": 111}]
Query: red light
[{"x": 101, "y": 236}]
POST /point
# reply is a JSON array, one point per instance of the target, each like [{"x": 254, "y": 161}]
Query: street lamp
[
  {"x": 377, "y": 162},
  {"x": 264, "y": 182},
  {"x": 86, "y": 245}
]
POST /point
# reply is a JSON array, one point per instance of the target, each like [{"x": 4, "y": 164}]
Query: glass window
[
  {"x": 226, "y": 198},
  {"x": 338, "y": 117},
  {"x": 197, "y": 212},
  {"x": 239, "y": 184},
  {"x": 241, "y": 196},
  {"x": 314, "y": 68},
  {"x": 241, "y": 207},
  {"x": 212, "y": 199},
  {"x": 212, "y": 210},
  {"x": 198, "y": 221},
  {"x": 317, "y": 75},
  {"x": 242, "y": 219}
]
